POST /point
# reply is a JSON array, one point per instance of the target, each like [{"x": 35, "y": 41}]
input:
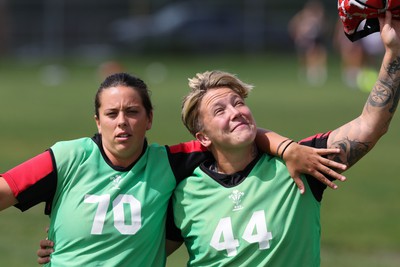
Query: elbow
[
  {"x": 385, "y": 130},
  {"x": 382, "y": 131},
  {"x": 376, "y": 130}
]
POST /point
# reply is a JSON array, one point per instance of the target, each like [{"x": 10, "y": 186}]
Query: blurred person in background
[
  {"x": 359, "y": 59},
  {"x": 107, "y": 196},
  {"x": 307, "y": 29},
  {"x": 373, "y": 51},
  {"x": 241, "y": 207},
  {"x": 352, "y": 56},
  {"x": 107, "y": 68}
]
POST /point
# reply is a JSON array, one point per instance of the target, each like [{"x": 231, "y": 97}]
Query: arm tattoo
[
  {"x": 353, "y": 150},
  {"x": 387, "y": 90},
  {"x": 391, "y": 69},
  {"x": 380, "y": 95}
]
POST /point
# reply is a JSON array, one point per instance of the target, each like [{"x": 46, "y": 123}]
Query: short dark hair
[{"x": 128, "y": 80}]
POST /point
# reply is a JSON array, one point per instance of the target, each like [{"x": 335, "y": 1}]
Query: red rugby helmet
[{"x": 353, "y": 12}]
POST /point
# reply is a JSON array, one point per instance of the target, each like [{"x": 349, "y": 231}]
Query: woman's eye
[
  {"x": 111, "y": 114},
  {"x": 131, "y": 112},
  {"x": 239, "y": 103},
  {"x": 218, "y": 111}
]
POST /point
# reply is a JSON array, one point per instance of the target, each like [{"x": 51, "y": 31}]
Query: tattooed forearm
[
  {"x": 391, "y": 69},
  {"x": 381, "y": 94},
  {"x": 352, "y": 151},
  {"x": 386, "y": 91},
  {"x": 394, "y": 66}
]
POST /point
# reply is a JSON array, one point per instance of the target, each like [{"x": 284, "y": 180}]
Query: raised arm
[{"x": 359, "y": 136}]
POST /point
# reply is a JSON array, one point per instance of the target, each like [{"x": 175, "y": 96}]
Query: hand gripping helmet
[{"x": 353, "y": 12}]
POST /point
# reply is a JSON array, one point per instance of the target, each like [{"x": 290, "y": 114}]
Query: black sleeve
[
  {"x": 316, "y": 141},
  {"x": 185, "y": 157},
  {"x": 173, "y": 232}
]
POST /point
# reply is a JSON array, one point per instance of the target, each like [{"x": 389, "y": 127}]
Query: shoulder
[
  {"x": 76, "y": 148},
  {"x": 156, "y": 150},
  {"x": 75, "y": 143},
  {"x": 187, "y": 152},
  {"x": 184, "y": 158}
]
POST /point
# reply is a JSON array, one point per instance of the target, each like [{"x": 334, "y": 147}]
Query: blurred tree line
[{"x": 92, "y": 27}]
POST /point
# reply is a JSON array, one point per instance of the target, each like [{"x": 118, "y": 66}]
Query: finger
[
  {"x": 328, "y": 162},
  {"x": 320, "y": 177},
  {"x": 333, "y": 174},
  {"x": 43, "y": 253},
  {"x": 299, "y": 184},
  {"x": 333, "y": 164},
  {"x": 43, "y": 260},
  {"x": 388, "y": 17},
  {"x": 327, "y": 151},
  {"x": 45, "y": 243},
  {"x": 383, "y": 20}
]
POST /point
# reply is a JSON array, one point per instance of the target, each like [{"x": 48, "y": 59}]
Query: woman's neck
[
  {"x": 123, "y": 159},
  {"x": 233, "y": 161}
]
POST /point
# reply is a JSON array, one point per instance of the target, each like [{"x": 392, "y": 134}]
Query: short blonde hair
[{"x": 199, "y": 85}]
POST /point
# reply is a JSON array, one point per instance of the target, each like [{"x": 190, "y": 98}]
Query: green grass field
[{"x": 360, "y": 220}]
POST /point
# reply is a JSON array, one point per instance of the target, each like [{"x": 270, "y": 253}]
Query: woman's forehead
[
  {"x": 120, "y": 94},
  {"x": 213, "y": 96},
  {"x": 120, "y": 91}
]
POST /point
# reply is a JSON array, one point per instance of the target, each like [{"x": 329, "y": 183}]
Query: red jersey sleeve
[
  {"x": 33, "y": 181},
  {"x": 318, "y": 140}
]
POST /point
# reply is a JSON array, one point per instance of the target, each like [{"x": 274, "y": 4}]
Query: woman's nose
[
  {"x": 121, "y": 119},
  {"x": 235, "y": 112}
]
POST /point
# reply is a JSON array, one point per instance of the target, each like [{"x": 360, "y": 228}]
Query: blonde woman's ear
[{"x": 203, "y": 139}]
